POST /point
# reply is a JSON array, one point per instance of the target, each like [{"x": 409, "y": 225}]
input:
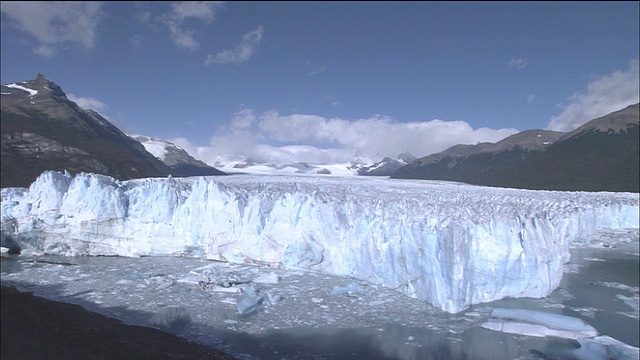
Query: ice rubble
[{"x": 452, "y": 245}]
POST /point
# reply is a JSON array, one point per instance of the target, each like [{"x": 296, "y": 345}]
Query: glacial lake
[{"x": 303, "y": 320}]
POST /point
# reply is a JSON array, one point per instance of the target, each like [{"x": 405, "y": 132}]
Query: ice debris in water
[
  {"x": 248, "y": 304},
  {"x": 272, "y": 298},
  {"x": 539, "y": 324},
  {"x": 346, "y": 290},
  {"x": 271, "y": 278},
  {"x": 604, "y": 347}
]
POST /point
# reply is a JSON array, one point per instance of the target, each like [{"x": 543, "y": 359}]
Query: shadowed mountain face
[
  {"x": 601, "y": 155},
  {"x": 176, "y": 157},
  {"x": 43, "y": 130}
]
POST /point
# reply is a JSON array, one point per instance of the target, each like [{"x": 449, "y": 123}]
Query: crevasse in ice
[{"x": 450, "y": 244}]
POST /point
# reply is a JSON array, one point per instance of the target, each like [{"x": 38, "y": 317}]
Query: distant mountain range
[
  {"x": 357, "y": 166},
  {"x": 43, "y": 130},
  {"x": 601, "y": 155}
]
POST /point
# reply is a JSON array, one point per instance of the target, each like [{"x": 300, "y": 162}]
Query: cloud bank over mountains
[
  {"x": 272, "y": 137},
  {"x": 278, "y": 138}
]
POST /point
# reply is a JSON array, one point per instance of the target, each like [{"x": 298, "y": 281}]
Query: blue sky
[{"x": 323, "y": 81}]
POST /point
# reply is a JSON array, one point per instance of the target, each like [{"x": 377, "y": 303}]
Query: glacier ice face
[{"x": 450, "y": 244}]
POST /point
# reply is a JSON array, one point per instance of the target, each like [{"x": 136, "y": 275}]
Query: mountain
[
  {"x": 175, "y": 157},
  {"x": 601, "y": 155},
  {"x": 356, "y": 166},
  {"x": 387, "y": 166},
  {"x": 43, "y": 130},
  {"x": 478, "y": 164}
]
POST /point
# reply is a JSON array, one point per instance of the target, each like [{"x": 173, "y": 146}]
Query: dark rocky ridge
[
  {"x": 46, "y": 131},
  {"x": 601, "y": 155}
]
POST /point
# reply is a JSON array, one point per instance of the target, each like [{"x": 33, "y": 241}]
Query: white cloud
[
  {"x": 243, "y": 119},
  {"x": 45, "y": 50},
  {"x": 181, "y": 13},
  {"x": 319, "y": 70},
  {"x": 531, "y": 98},
  {"x": 88, "y": 102},
  {"x": 202, "y": 10},
  {"x": 54, "y": 23},
  {"x": 315, "y": 139},
  {"x": 518, "y": 63},
  {"x": 605, "y": 95},
  {"x": 241, "y": 53}
]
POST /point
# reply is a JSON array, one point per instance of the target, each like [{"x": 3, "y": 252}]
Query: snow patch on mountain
[
  {"x": 20, "y": 87},
  {"x": 157, "y": 148}
]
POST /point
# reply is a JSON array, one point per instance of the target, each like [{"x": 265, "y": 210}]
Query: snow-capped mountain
[
  {"x": 356, "y": 166},
  {"x": 387, "y": 166},
  {"x": 601, "y": 155},
  {"x": 43, "y": 130},
  {"x": 175, "y": 157},
  {"x": 450, "y": 244}
]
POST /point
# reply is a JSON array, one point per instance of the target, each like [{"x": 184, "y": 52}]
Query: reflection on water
[
  {"x": 394, "y": 341},
  {"x": 611, "y": 316}
]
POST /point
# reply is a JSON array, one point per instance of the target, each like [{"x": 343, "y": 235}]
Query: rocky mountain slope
[
  {"x": 175, "y": 157},
  {"x": 385, "y": 167},
  {"x": 601, "y": 155},
  {"x": 43, "y": 130}
]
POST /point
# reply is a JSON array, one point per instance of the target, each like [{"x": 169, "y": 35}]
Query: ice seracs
[{"x": 450, "y": 244}]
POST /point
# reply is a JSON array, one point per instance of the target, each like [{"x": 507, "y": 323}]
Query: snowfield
[{"x": 452, "y": 245}]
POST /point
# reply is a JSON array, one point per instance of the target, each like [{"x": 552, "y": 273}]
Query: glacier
[{"x": 452, "y": 245}]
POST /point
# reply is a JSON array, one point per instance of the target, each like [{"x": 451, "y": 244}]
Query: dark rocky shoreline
[{"x": 36, "y": 328}]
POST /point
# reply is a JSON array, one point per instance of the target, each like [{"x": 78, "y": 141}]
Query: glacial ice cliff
[{"x": 450, "y": 244}]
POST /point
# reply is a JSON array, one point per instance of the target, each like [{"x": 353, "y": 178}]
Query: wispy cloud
[
  {"x": 273, "y": 137},
  {"x": 243, "y": 119},
  {"x": 88, "y": 102},
  {"x": 531, "y": 98},
  {"x": 241, "y": 52},
  {"x": 518, "y": 63},
  {"x": 181, "y": 14},
  {"x": 319, "y": 70},
  {"x": 54, "y": 23},
  {"x": 605, "y": 95}
]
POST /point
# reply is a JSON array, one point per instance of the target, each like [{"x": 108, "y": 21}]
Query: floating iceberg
[
  {"x": 345, "y": 290},
  {"x": 248, "y": 304},
  {"x": 452, "y": 245},
  {"x": 540, "y": 324},
  {"x": 604, "y": 347}
]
